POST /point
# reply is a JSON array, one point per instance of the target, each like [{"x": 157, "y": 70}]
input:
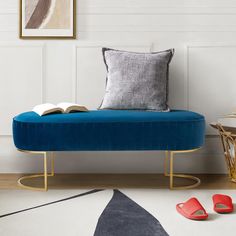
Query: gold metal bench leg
[
  {"x": 45, "y": 174},
  {"x": 169, "y": 161},
  {"x": 52, "y": 164}
]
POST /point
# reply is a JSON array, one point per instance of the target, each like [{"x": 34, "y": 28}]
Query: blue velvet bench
[{"x": 174, "y": 132}]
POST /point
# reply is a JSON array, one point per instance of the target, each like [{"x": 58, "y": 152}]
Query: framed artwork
[{"x": 47, "y": 19}]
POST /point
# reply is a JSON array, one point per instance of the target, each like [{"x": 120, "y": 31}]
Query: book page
[
  {"x": 46, "y": 108},
  {"x": 68, "y": 107}
]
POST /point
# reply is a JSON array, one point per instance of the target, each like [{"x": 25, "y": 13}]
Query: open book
[{"x": 64, "y": 107}]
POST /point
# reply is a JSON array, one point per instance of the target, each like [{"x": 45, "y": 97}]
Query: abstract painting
[{"x": 47, "y": 19}]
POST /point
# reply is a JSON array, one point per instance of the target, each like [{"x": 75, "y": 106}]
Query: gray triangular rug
[{"x": 124, "y": 217}]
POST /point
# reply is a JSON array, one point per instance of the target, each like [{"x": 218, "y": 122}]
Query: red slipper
[
  {"x": 192, "y": 209},
  {"x": 222, "y": 203}
]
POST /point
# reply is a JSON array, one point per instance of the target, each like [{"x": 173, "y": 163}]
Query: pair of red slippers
[{"x": 193, "y": 210}]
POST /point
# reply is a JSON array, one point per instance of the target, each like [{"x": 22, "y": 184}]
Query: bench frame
[
  {"x": 168, "y": 170},
  {"x": 45, "y": 175}
]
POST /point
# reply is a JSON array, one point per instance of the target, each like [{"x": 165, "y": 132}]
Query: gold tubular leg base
[
  {"x": 45, "y": 175},
  {"x": 169, "y": 161}
]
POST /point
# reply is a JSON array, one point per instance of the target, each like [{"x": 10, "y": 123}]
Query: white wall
[{"x": 203, "y": 73}]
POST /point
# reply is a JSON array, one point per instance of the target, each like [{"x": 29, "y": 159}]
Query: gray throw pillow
[{"x": 136, "y": 80}]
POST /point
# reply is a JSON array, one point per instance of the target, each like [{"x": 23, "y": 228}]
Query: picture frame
[{"x": 47, "y": 19}]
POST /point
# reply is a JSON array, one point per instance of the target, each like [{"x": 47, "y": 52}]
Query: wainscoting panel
[
  {"x": 210, "y": 75},
  {"x": 21, "y": 77},
  {"x": 89, "y": 66},
  {"x": 202, "y": 78},
  {"x": 142, "y": 22}
]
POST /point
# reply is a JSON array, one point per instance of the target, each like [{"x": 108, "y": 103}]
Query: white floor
[{"x": 78, "y": 217}]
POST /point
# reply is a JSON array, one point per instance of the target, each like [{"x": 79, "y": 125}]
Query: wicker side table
[{"x": 228, "y": 139}]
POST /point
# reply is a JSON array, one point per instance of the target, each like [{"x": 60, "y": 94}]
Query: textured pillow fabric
[{"x": 136, "y": 80}]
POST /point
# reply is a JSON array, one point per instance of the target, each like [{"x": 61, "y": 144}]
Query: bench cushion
[{"x": 109, "y": 130}]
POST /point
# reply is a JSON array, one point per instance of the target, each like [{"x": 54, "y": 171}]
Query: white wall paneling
[
  {"x": 74, "y": 71},
  {"x": 92, "y": 72},
  {"x": 136, "y": 17},
  {"x": 21, "y": 76},
  {"x": 210, "y": 70},
  {"x": 141, "y": 23}
]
